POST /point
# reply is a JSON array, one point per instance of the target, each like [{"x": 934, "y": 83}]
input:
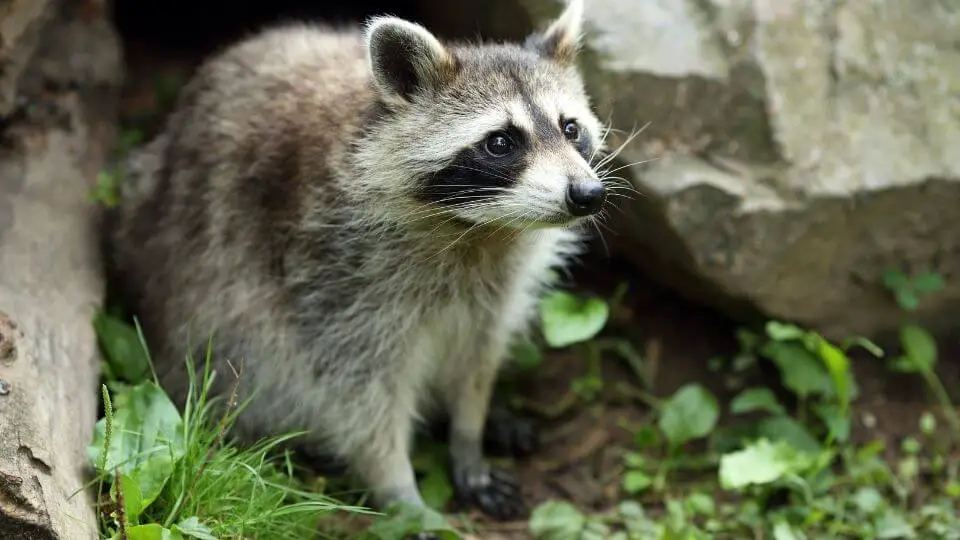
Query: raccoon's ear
[
  {"x": 561, "y": 40},
  {"x": 405, "y": 58}
]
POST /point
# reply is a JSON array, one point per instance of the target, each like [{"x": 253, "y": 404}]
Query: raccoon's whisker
[
  {"x": 451, "y": 218},
  {"x": 491, "y": 173},
  {"x": 468, "y": 204},
  {"x": 476, "y": 207},
  {"x": 623, "y": 191},
  {"x": 429, "y": 212},
  {"x": 478, "y": 188},
  {"x": 603, "y": 240},
  {"x": 458, "y": 238},
  {"x": 613, "y": 155},
  {"x": 622, "y": 196},
  {"x": 641, "y": 162},
  {"x": 451, "y": 209},
  {"x": 413, "y": 217},
  {"x": 502, "y": 225},
  {"x": 614, "y": 183}
]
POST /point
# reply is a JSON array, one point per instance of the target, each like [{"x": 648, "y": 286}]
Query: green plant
[
  {"x": 569, "y": 320},
  {"x": 919, "y": 346},
  {"x": 107, "y": 190},
  {"x": 908, "y": 290},
  {"x": 789, "y": 473}
]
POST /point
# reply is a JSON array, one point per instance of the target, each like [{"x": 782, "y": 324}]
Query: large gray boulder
[{"x": 800, "y": 149}]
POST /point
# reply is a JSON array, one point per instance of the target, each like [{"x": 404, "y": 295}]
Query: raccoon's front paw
[
  {"x": 493, "y": 491},
  {"x": 506, "y": 434}
]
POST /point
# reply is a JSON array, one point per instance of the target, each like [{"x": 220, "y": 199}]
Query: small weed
[
  {"x": 571, "y": 321},
  {"x": 107, "y": 190},
  {"x": 908, "y": 290}
]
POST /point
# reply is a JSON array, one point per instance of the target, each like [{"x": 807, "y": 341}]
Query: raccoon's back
[{"x": 208, "y": 206}]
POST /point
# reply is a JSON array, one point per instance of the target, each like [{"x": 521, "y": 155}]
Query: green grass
[
  {"x": 163, "y": 473},
  {"x": 179, "y": 474}
]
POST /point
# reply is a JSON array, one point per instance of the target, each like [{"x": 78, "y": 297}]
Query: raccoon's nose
[{"x": 585, "y": 197}]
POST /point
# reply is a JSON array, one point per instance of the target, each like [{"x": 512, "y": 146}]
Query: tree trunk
[{"x": 60, "y": 73}]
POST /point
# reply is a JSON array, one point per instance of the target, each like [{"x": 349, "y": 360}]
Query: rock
[
  {"x": 52, "y": 145},
  {"x": 799, "y": 150}
]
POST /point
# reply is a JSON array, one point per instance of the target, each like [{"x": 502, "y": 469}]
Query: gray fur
[{"x": 276, "y": 210}]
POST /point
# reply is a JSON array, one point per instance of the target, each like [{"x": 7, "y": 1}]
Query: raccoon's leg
[
  {"x": 507, "y": 434},
  {"x": 494, "y": 491},
  {"x": 380, "y": 454}
]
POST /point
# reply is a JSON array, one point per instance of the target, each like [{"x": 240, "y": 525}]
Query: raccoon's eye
[
  {"x": 571, "y": 130},
  {"x": 498, "y": 144}
]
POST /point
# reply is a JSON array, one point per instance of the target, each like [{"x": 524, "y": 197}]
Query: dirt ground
[{"x": 580, "y": 458}]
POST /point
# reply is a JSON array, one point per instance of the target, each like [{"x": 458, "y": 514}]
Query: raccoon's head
[{"x": 490, "y": 133}]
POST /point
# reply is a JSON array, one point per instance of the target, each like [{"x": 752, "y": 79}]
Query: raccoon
[{"x": 364, "y": 218}]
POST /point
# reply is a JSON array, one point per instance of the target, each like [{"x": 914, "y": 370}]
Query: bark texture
[{"x": 61, "y": 73}]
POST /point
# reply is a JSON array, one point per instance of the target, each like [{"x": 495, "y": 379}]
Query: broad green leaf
[
  {"x": 147, "y": 438},
  {"x": 631, "y": 511},
  {"x": 836, "y": 419},
  {"x": 868, "y": 500},
  {"x": 892, "y": 526},
  {"x": 700, "y": 504},
  {"x": 691, "y": 413},
  {"x": 838, "y": 365},
  {"x": 193, "y": 528},
  {"x": 761, "y": 463},
  {"x": 919, "y": 346},
  {"x": 557, "y": 520},
  {"x": 789, "y": 431},
  {"x": 567, "y": 319},
  {"x": 634, "y": 460},
  {"x": 928, "y": 282},
  {"x": 800, "y": 370},
  {"x": 152, "y": 531},
  {"x": 895, "y": 279},
  {"x": 435, "y": 488},
  {"x": 756, "y": 399},
  {"x": 132, "y": 499},
  {"x": 527, "y": 356},
  {"x": 403, "y": 519},
  {"x": 636, "y": 481},
  {"x": 784, "y": 531},
  {"x": 594, "y": 529},
  {"x": 122, "y": 347},
  {"x": 907, "y": 299},
  {"x": 779, "y": 331},
  {"x": 952, "y": 490}
]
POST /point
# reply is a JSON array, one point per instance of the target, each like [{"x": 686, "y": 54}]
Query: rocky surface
[
  {"x": 60, "y": 73},
  {"x": 799, "y": 149}
]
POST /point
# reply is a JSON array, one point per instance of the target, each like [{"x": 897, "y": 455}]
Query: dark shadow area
[{"x": 184, "y": 26}]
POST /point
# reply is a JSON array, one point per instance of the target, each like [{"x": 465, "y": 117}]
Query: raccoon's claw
[
  {"x": 495, "y": 492},
  {"x": 507, "y": 434}
]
